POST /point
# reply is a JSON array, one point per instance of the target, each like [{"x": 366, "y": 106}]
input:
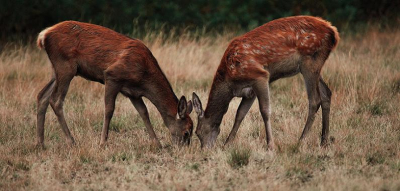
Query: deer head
[
  {"x": 181, "y": 128},
  {"x": 207, "y": 128}
]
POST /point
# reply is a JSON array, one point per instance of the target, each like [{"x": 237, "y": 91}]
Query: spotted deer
[
  {"x": 277, "y": 49},
  {"x": 124, "y": 65}
]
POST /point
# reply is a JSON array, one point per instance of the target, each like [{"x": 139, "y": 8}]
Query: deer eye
[{"x": 186, "y": 134}]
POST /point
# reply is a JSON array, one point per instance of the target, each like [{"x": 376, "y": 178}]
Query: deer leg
[
  {"x": 42, "y": 104},
  {"x": 144, "y": 114},
  {"x": 261, "y": 89},
  {"x": 111, "y": 91},
  {"x": 244, "y": 107},
  {"x": 311, "y": 80},
  {"x": 326, "y": 95},
  {"x": 57, "y": 102}
]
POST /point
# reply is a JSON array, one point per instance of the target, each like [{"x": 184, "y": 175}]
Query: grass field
[{"x": 363, "y": 74}]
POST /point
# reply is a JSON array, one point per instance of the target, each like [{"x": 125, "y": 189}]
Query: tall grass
[{"x": 363, "y": 73}]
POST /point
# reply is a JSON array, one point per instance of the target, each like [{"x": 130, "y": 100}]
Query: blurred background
[{"x": 21, "y": 19}]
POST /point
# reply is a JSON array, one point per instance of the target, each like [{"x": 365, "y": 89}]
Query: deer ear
[
  {"x": 182, "y": 107},
  {"x": 189, "y": 107},
  {"x": 197, "y": 105}
]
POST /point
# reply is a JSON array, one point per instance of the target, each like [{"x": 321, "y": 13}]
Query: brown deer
[
  {"x": 277, "y": 49},
  {"x": 123, "y": 64}
]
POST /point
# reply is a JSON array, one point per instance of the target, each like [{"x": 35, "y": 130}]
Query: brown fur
[
  {"x": 280, "y": 48},
  {"x": 123, "y": 64},
  {"x": 278, "y": 40}
]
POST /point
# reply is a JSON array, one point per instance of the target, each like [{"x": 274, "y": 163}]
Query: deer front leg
[
  {"x": 144, "y": 114},
  {"x": 244, "y": 107},
  {"x": 111, "y": 91},
  {"x": 261, "y": 88}
]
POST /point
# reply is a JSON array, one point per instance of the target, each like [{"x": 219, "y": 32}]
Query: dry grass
[{"x": 363, "y": 73}]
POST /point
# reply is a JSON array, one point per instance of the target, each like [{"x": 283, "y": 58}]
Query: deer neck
[
  {"x": 165, "y": 100},
  {"x": 218, "y": 101}
]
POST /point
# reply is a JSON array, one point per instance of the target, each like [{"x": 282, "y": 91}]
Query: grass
[
  {"x": 363, "y": 74},
  {"x": 239, "y": 157}
]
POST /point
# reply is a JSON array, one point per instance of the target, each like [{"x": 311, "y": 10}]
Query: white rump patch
[{"x": 42, "y": 36}]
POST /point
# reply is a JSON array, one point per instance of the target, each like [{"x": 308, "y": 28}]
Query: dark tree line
[{"x": 27, "y": 17}]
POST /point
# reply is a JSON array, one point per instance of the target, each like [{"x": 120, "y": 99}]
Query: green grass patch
[
  {"x": 239, "y": 157},
  {"x": 376, "y": 158},
  {"x": 123, "y": 156}
]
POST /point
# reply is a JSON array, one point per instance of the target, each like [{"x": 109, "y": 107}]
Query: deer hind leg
[
  {"x": 244, "y": 107},
  {"x": 311, "y": 78},
  {"x": 112, "y": 89},
  {"x": 64, "y": 74},
  {"x": 326, "y": 95},
  {"x": 144, "y": 114},
  {"x": 42, "y": 104},
  {"x": 261, "y": 88}
]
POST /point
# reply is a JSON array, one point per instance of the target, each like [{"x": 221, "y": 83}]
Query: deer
[
  {"x": 123, "y": 64},
  {"x": 280, "y": 48}
]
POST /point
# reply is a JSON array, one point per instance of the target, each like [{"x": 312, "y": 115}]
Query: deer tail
[{"x": 41, "y": 38}]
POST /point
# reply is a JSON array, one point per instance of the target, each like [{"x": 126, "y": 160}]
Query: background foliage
[{"x": 27, "y": 17}]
